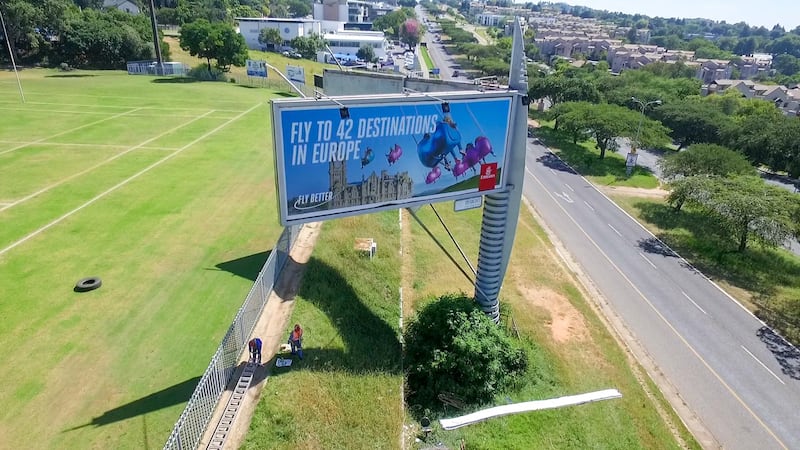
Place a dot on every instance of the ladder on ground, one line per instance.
(225, 425)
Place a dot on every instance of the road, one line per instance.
(739, 390)
(440, 58)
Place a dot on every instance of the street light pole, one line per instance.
(630, 161)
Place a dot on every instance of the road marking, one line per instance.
(563, 196)
(70, 131)
(615, 230)
(588, 205)
(553, 171)
(83, 172)
(648, 261)
(762, 364)
(569, 187)
(123, 183)
(694, 303)
(664, 319)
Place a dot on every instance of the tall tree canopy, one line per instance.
(217, 41)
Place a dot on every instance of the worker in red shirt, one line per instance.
(296, 340)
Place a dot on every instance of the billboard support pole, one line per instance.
(501, 212)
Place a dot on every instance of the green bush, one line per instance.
(201, 73)
(453, 347)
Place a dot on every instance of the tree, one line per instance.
(366, 53)
(788, 44)
(410, 32)
(308, 46)
(558, 88)
(691, 122)
(270, 37)
(104, 40)
(746, 208)
(299, 8)
(214, 41)
(705, 159)
(605, 123)
(390, 23)
(786, 64)
(452, 346)
(32, 25)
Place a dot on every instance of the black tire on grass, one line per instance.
(88, 284)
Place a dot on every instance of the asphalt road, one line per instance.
(742, 386)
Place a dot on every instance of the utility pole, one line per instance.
(11, 55)
(630, 161)
(156, 40)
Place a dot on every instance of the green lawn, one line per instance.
(346, 393)
(152, 186)
(427, 58)
(585, 158)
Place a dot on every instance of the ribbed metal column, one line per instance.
(501, 210)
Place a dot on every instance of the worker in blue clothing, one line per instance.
(255, 350)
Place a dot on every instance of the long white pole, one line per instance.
(11, 54)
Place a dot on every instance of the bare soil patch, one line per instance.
(566, 323)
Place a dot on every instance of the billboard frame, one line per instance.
(403, 100)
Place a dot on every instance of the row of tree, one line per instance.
(76, 33)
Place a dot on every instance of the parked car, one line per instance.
(296, 55)
(455, 73)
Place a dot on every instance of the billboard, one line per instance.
(296, 74)
(354, 155)
(256, 68)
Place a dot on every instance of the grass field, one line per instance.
(165, 190)
(154, 186)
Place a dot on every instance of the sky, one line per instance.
(754, 12)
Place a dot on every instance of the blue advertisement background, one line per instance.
(472, 118)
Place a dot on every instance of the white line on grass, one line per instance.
(165, 108)
(97, 113)
(112, 146)
(83, 172)
(70, 131)
(122, 183)
(111, 96)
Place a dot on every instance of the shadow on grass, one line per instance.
(178, 80)
(370, 344)
(70, 75)
(697, 237)
(246, 266)
(585, 161)
(172, 395)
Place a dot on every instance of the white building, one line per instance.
(250, 28)
(351, 11)
(347, 43)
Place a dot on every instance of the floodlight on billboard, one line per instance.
(256, 68)
(296, 74)
(355, 155)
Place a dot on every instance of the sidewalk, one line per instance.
(272, 329)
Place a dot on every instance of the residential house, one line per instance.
(123, 5)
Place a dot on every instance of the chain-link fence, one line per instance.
(194, 420)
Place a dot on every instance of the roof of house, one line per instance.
(116, 3)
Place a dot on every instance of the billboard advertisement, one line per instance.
(354, 155)
(296, 74)
(256, 68)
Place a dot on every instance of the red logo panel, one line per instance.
(488, 178)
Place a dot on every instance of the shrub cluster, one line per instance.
(453, 347)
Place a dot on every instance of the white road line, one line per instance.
(762, 364)
(569, 187)
(615, 230)
(694, 303)
(122, 183)
(70, 131)
(553, 171)
(661, 316)
(648, 261)
(106, 161)
(588, 205)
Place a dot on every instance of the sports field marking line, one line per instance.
(117, 107)
(762, 364)
(83, 172)
(122, 183)
(661, 316)
(96, 113)
(107, 96)
(69, 131)
(75, 144)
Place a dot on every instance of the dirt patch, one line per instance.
(633, 192)
(566, 323)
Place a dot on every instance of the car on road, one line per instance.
(455, 73)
